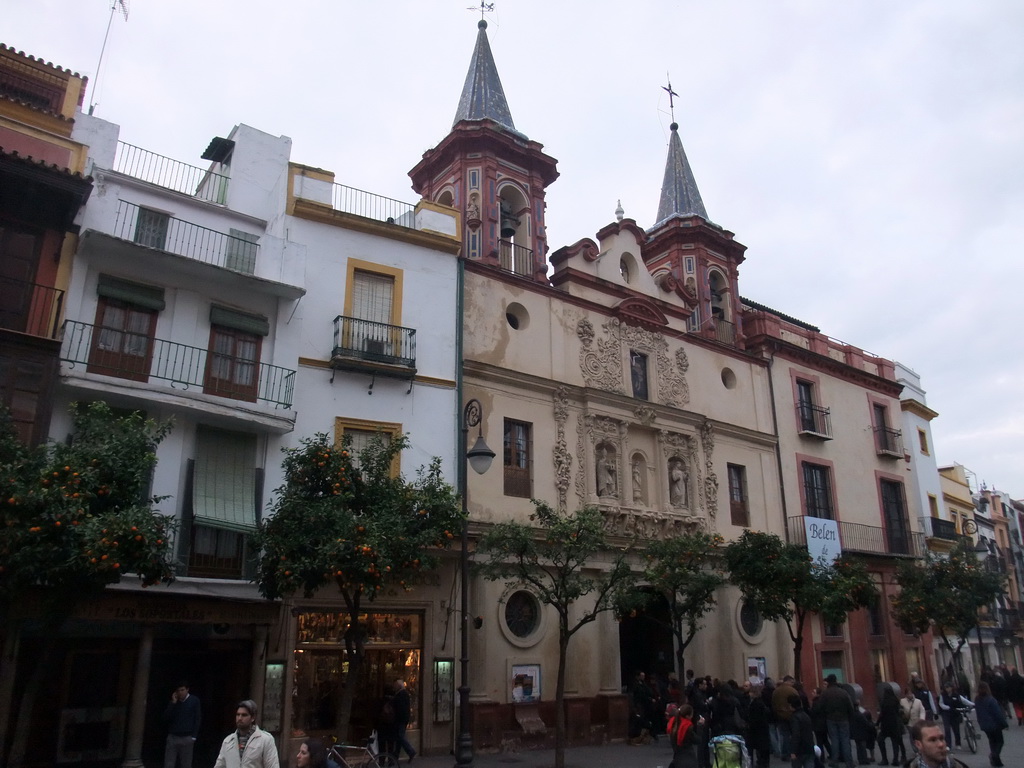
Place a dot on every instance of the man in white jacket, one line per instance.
(248, 746)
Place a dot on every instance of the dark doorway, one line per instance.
(218, 673)
(645, 641)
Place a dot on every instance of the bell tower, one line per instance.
(492, 173)
(703, 257)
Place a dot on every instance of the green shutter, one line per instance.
(146, 296)
(239, 321)
(224, 485)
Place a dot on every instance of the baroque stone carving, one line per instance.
(601, 367)
(581, 477)
(707, 440)
(645, 415)
(602, 360)
(646, 524)
(562, 457)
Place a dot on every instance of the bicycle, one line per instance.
(970, 732)
(359, 757)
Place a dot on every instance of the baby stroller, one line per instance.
(728, 751)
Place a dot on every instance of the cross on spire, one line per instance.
(484, 8)
(671, 95)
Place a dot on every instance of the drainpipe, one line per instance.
(778, 447)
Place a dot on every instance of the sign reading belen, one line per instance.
(822, 540)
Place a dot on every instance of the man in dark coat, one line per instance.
(402, 703)
(836, 706)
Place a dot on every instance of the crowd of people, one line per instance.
(827, 724)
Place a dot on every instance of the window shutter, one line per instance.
(147, 296)
(224, 488)
(239, 321)
(372, 297)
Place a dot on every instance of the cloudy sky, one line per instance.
(869, 153)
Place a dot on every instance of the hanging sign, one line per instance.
(822, 540)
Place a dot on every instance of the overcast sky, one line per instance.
(870, 154)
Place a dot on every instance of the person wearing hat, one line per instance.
(836, 706)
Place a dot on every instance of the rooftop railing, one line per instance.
(370, 206)
(171, 174)
(516, 259)
(144, 358)
(870, 539)
(158, 230)
(42, 90)
(30, 308)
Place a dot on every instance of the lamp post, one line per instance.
(479, 458)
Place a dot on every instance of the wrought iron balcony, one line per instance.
(944, 529)
(515, 258)
(1010, 618)
(814, 420)
(869, 539)
(365, 344)
(30, 308)
(138, 357)
(170, 174)
(889, 442)
(158, 230)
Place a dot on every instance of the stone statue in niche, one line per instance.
(678, 480)
(606, 481)
(473, 207)
(638, 482)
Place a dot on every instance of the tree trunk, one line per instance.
(798, 644)
(563, 647)
(355, 652)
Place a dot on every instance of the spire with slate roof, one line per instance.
(679, 193)
(482, 96)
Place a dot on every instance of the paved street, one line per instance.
(659, 755)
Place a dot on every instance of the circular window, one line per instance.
(728, 378)
(750, 620)
(516, 316)
(522, 614)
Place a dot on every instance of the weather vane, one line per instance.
(484, 8)
(671, 95)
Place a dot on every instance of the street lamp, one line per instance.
(479, 458)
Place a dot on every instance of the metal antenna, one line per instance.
(114, 5)
(484, 8)
(671, 95)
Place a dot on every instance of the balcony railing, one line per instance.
(944, 529)
(814, 420)
(370, 206)
(170, 174)
(356, 339)
(180, 364)
(889, 442)
(30, 308)
(157, 230)
(47, 95)
(515, 258)
(870, 539)
(723, 331)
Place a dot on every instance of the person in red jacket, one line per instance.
(682, 735)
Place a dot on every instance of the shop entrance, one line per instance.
(394, 645)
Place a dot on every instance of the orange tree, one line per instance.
(945, 593)
(354, 525)
(685, 570)
(567, 557)
(74, 517)
(784, 584)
